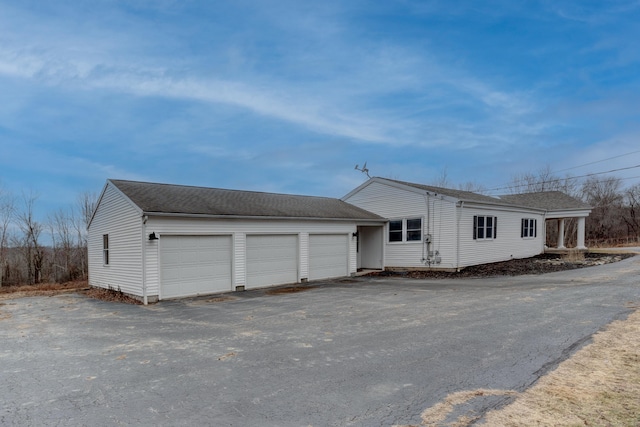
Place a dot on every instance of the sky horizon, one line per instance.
(288, 97)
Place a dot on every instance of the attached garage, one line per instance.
(328, 256)
(271, 260)
(171, 241)
(194, 265)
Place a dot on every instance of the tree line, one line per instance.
(24, 259)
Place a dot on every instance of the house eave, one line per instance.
(380, 221)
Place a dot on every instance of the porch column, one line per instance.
(561, 234)
(581, 233)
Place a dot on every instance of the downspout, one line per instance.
(458, 236)
(145, 300)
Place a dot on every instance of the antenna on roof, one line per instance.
(363, 169)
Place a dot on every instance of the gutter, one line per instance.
(288, 218)
(144, 219)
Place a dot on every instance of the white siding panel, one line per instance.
(117, 217)
(304, 255)
(439, 220)
(508, 243)
(271, 260)
(328, 256)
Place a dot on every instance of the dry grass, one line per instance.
(598, 386)
(573, 255)
(41, 289)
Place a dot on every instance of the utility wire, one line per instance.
(561, 179)
(598, 161)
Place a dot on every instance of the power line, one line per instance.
(561, 179)
(598, 161)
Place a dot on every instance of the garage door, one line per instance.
(328, 256)
(271, 260)
(192, 265)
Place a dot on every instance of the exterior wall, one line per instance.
(438, 219)
(507, 245)
(117, 217)
(239, 229)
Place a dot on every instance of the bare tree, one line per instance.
(604, 195)
(86, 203)
(543, 180)
(632, 212)
(7, 205)
(29, 242)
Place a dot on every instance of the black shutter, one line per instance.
(495, 227)
(475, 227)
(522, 226)
(535, 228)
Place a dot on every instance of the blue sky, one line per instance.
(288, 96)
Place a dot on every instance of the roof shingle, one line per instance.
(187, 200)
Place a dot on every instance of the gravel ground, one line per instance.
(541, 264)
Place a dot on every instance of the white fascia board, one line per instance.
(568, 213)
(380, 221)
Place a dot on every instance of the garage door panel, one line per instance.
(192, 265)
(328, 256)
(271, 260)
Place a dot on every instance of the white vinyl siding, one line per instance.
(195, 265)
(118, 218)
(507, 245)
(438, 219)
(271, 260)
(328, 256)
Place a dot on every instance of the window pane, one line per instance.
(480, 222)
(413, 236)
(480, 230)
(414, 224)
(395, 225)
(489, 221)
(395, 236)
(489, 233)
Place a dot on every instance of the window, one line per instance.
(529, 227)
(405, 230)
(105, 249)
(414, 229)
(485, 227)
(395, 231)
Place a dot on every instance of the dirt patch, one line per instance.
(541, 264)
(288, 290)
(111, 295)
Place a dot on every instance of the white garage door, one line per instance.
(271, 260)
(192, 265)
(328, 256)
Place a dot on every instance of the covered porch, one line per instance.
(574, 234)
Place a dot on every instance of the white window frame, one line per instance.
(529, 228)
(405, 231)
(480, 227)
(105, 249)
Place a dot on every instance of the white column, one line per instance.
(581, 233)
(561, 234)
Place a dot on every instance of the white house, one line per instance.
(158, 241)
(438, 228)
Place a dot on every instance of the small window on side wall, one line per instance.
(395, 231)
(105, 249)
(485, 227)
(529, 228)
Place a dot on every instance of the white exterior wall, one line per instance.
(508, 243)
(438, 219)
(121, 220)
(239, 229)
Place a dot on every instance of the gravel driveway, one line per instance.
(362, 352)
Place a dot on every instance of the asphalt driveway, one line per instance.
(366, 351)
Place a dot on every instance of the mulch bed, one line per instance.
(541, 264)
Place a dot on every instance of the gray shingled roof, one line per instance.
(548, 200)
(545, 200)
(180, 199)
(457, 194)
